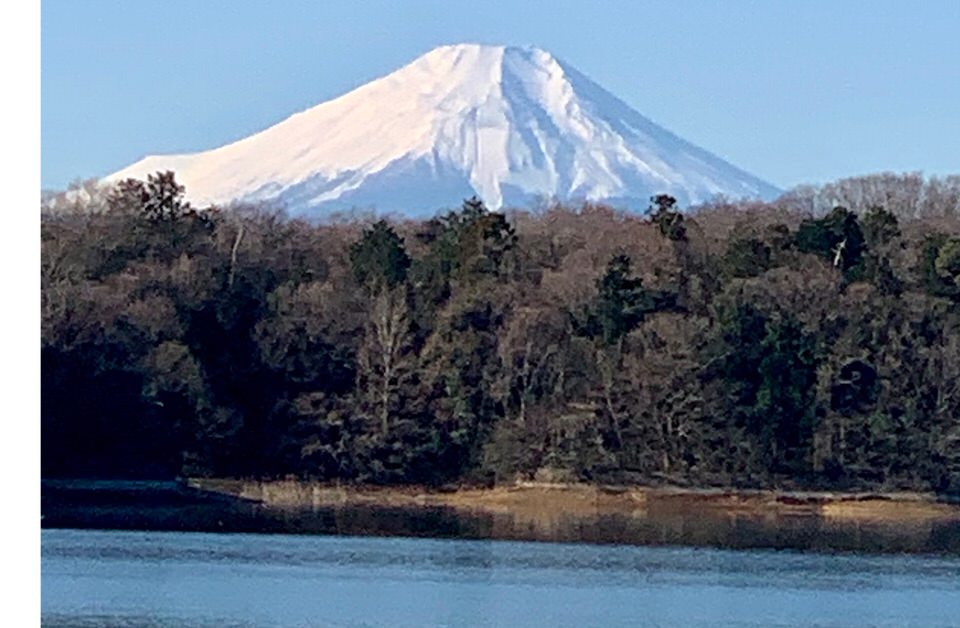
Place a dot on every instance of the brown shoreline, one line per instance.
(538, 501)
(880, 523)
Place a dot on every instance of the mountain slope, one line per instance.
(509, 124)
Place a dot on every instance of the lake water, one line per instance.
(159, 579)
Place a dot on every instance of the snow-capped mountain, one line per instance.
(508, 124)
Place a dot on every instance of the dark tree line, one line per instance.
(735, 345)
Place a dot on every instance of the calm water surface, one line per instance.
(122, 578)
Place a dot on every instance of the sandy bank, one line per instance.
(538, 500)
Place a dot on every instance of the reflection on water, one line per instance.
(127, 578)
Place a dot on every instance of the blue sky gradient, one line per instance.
(792, 92)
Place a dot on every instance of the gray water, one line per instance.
(119, 578)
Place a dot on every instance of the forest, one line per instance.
(809, 342)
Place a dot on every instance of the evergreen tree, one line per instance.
(378, 259)
(837, 238)
(746, 257)
(668, 220)
(621, 301)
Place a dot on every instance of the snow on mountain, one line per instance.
(509, 124)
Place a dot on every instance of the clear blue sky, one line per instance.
(793, 92)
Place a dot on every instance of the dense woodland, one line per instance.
(810, 342)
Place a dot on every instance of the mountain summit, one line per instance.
(508, 124)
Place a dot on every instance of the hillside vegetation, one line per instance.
(810, 342)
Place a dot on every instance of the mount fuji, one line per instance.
(512, 125)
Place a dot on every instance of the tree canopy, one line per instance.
(736, 345)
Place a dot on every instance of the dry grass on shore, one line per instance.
(890, 510)
(539, 500)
